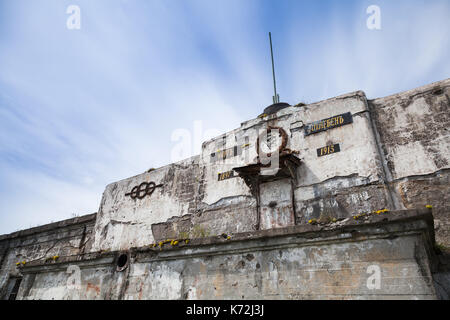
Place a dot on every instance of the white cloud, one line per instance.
(411, 49)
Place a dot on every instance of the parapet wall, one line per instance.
(387, 256)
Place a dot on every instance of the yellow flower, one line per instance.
(228, 238)
(23, 262)
(160, 243)
(429, 206)
(186, 241)
(18, 263)
(175, 242)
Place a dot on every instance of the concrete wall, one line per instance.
(64, 238)
(337, 261)
(194, 201)
(124, 222)
(413, 133)
(188, 204)
(345, 183)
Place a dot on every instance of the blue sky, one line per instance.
(82, 108)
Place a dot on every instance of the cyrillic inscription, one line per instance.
(329, 123)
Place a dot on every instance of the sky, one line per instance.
(82, 108)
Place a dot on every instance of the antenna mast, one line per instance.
(276, 97)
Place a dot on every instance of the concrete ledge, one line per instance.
(419, 90)
(50, 226)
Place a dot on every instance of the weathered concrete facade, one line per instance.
(413, 134)
(337, 159)
(64, 238)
